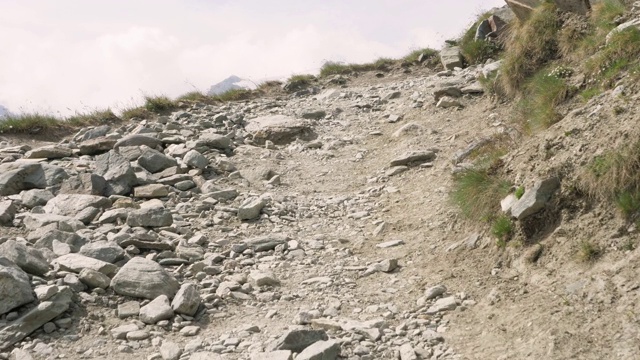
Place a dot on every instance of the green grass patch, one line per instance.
(589, 93)
(542, 94)
(337, 68)
(628, 202)
(477, 193)
(502, 228)
(621, 53)
(299, 82)
(605, 12)
(519, 192)
(530, 46)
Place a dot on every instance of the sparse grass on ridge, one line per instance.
(413, 56)
(37, 123)
(159, 104)
(476, 52)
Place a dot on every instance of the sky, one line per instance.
(73, 56)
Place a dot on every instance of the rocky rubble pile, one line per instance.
(170, 239)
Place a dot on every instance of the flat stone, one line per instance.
(151, 191)
(106, 251)
(321, 350)
(121, 332)
(88, 184)
(250, 208)
(35, 197)
(158, 309)
(138, 140)
(128, 309)
(48, 152)
(407, 352)
(69, 204)
(443, 304)
(279, 129)
(118, 173)
(7, 212)
(35, 318)
(94, 279)
(451, 57)
(150, 217)
(15, 177)
(413, 157)
(298, 340)
(96, 146)
(77, 262)
(388, 244)
(273, 355)
(435, 291)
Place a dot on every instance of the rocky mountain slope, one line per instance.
(319, 224)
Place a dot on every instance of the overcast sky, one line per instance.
(65, 56)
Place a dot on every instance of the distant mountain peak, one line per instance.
(233, 82)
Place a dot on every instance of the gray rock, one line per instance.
(195, 160)
(28, 259)
(70, 204)
(313, 114)
(443, 304)
(15, 177)
(77, 262)
(158, 309)
(54, 175)
(279, 129)
(121, 332)
(151, 191)
(170, 350)
(48, 152)
(35, 318)
(250, 208)
(298, 340)
(260, 278)
(534, 199)
(130, 308)
(267, 242)
(138, 140)
(118, 173)
(92, 133)
(407, 352)
(321, 350)
(154, 161)
(46, 238)
(447, 102)
(212, 141)
(150, 217)
(94, 279)
(15, 289)
(106, 251)
(35, 197)
(144, 278)
(96, 146)
(87, 184)
(435, 291)
(451, 57)
(7, 212)
(413, 157)
(447, 91)
(273, 355)
(187, 300)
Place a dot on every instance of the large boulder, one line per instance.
(103, 250)
(279, 129)
(211, 141)
(7, 212)
(15, 289)
(28, 259)
(144, 278)
(71, 204)
(118, 173)
(15, 177)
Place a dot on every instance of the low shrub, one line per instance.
(542, 94)
(159, 104)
